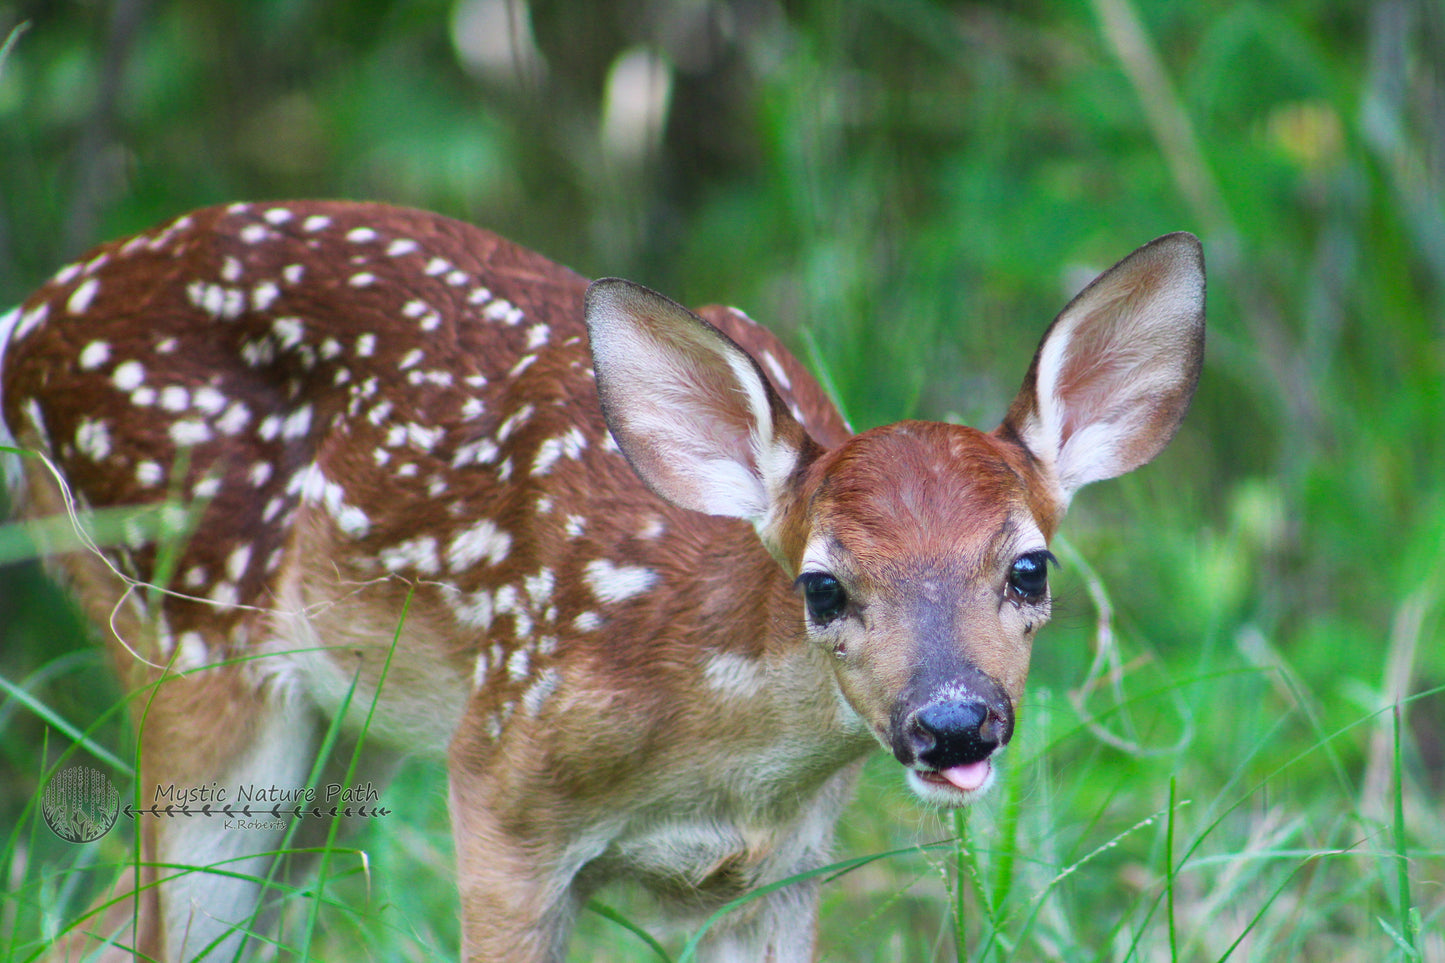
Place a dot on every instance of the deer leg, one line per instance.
(518, 899)
(776, 928)
(212, 870)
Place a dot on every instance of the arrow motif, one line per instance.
(231, 812)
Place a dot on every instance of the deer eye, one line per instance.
(1028, 578)
(823, 595)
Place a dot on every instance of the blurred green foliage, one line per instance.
(908, 190)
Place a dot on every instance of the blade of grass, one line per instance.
(1169, 873)
(54, 719)
(613, 916)
(841, 868)
(960, 912)
(1402, 853)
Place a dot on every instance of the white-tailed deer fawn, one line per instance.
(657, 614)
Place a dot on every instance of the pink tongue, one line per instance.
(969, 777)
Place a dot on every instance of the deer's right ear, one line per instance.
(690, 410)
(1115, 372)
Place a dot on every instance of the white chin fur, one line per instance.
(948, 796)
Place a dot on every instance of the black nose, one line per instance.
(948, 734)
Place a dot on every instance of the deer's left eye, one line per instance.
(1028, 578)
(823, 595)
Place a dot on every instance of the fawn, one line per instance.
(625, 565)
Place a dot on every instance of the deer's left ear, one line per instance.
(1114, 374)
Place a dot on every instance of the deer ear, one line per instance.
(690, 410)
(1114, 374)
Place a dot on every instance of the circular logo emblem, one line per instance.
(80, 804)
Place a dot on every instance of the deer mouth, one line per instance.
(952, 787)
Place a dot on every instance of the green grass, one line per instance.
(1241, 757)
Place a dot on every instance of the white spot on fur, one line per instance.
(128, 375)
(234, 421)
(417, 553)
(442, 379)
(190, 432)
(238, 562)
(192, 652)
(361, 235)
(519, 665)
(479, 452)
(264, 295)
(175, 398)
(82, 296)
(776, 370)
(94, 355)
(569, 445)
(734, 675)
(208, 399)
(499, 310)
(482, 540)
(288, 332)
(615, 583)
(313, 486)
(537, 693)
(29, 321)
(379, 412)
(92, 439)
(298, 423)
(424, 438)
(539, 587)
(513, 422)
(472, 608)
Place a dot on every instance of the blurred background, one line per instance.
(1234, 745)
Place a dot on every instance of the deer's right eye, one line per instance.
(823, 595)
